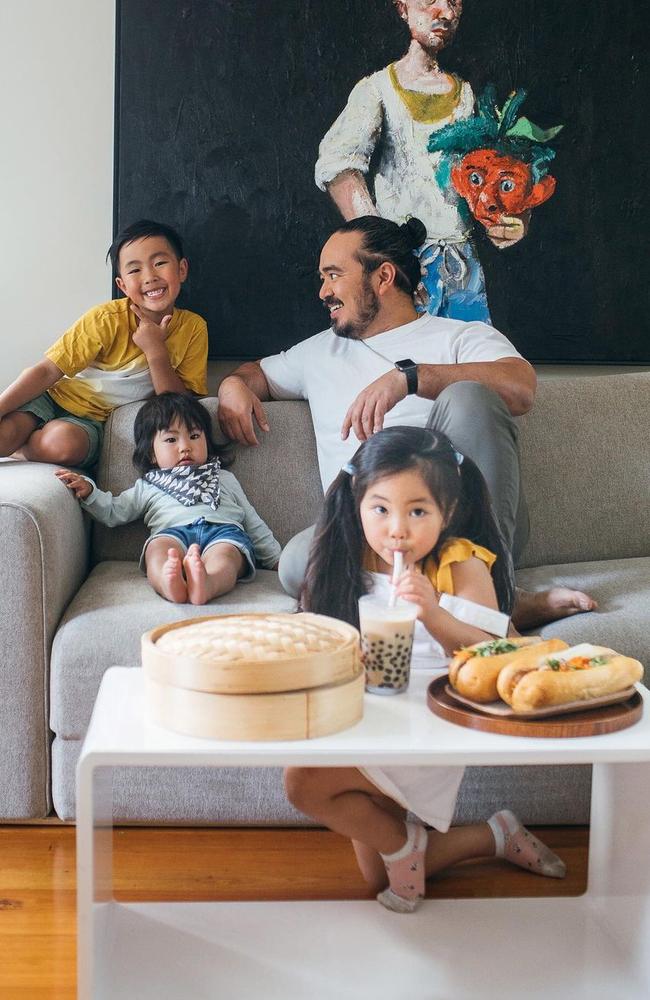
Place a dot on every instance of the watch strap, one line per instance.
(410, 369)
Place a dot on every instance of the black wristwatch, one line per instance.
(410, 369)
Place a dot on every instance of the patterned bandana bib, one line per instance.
(189, 484)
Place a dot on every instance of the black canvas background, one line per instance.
(221, 105)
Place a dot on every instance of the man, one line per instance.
(380, 364)
(389, 119)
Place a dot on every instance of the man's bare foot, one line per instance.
(173, 584)
(533, 609)
(197, 578)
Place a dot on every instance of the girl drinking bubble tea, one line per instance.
(407, 490)
(205, 533)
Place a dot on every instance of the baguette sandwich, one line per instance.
(580, 673)
(473, 671)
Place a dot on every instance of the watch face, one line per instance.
(405, 363)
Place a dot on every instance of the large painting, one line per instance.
(516, 132)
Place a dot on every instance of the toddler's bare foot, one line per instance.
(534, 609)
(173, 584)
(197, 578)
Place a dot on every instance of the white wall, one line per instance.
(56, 169)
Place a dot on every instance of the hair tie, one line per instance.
(349, 468)
(459, 458)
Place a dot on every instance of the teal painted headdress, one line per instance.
(498, 129)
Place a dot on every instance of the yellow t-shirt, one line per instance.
(103, 368)
(454, 550)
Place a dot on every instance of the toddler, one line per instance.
(205, 535)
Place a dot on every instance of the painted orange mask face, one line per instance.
(495, 185)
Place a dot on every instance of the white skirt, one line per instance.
(428, 792)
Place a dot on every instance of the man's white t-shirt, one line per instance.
(331, 371)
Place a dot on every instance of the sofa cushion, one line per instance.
(622, 589)
(279, 476)
(103, 625)
(254, 796)
(586, 475)
(225, 796)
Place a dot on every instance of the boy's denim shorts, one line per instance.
(45, 409)
(206, 533)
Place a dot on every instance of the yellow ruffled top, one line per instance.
(455, 550)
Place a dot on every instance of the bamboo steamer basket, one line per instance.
(284, 715)
(198, 653)
(282, 677)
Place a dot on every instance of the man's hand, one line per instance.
(512, 229)
(149, 336)
(75, 483)
(237, 406)
(366, 414)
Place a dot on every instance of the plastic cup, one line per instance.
(386, 643)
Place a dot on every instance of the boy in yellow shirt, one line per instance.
(119, 352)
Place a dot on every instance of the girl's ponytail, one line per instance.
(474, 518)
(334, 580)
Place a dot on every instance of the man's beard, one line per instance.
(367, 309)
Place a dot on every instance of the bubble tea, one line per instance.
(386, 643)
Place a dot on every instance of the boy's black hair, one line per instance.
(384, 240)
(335, 578)
(158, 413)
(140, 230)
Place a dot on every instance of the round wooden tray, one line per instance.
(591, 722)
(224, 675)
(287, 715)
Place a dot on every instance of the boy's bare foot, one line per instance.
(533, 609)
(172, 582)
(197, 578)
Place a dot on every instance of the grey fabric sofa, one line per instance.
(74, 603)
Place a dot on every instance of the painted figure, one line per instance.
(498, 163)
(389, 117)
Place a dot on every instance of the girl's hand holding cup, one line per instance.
(415, 587)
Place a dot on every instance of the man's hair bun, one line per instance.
(415, 231)
(383, 239)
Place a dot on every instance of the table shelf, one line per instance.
(450, 950)
(593, 946)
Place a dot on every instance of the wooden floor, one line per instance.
(37, 887)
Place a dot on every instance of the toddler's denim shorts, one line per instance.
(206, 533)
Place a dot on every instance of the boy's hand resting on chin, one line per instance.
(149, 335)
(75, 483)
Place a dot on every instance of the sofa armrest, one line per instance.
(43, 560)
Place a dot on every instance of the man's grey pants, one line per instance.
(479, 425)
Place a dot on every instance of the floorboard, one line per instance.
(37, 887)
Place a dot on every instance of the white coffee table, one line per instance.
(596, 946)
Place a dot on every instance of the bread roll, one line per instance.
(474, 670)
(579, 674)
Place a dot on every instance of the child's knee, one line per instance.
(15, 430)
(299, 787)
(58, 441)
